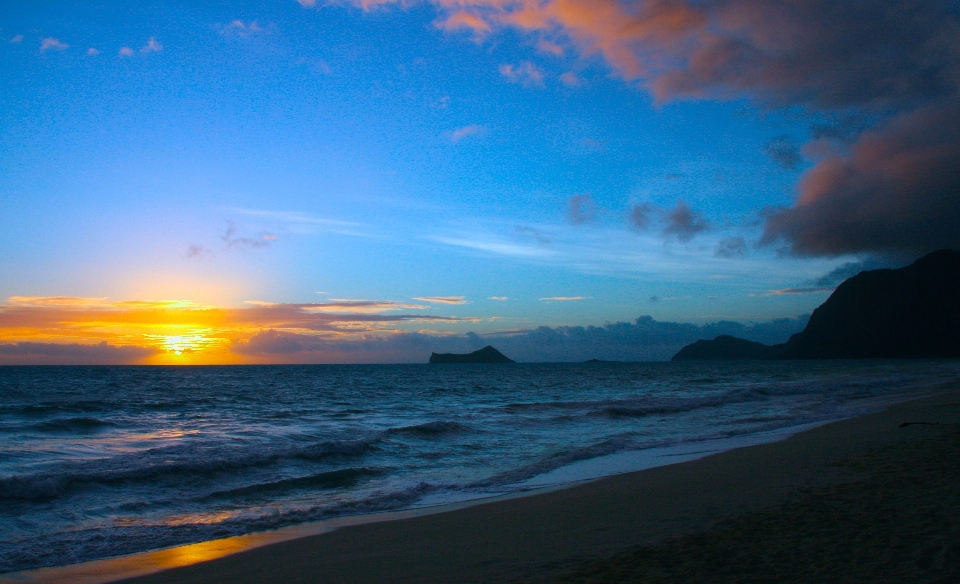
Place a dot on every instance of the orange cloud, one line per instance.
(96, 330)
(442, 299)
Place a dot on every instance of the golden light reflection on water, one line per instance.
(200, 518)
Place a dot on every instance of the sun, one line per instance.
(186, 343)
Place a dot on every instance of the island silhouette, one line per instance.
(485, 355)
(910, 312)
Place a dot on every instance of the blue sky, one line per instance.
(222, 153)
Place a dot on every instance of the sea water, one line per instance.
(104, 461)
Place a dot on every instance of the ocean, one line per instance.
(97, 462)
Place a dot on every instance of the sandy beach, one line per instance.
(848, 501)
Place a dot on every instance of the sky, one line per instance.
(292, 181)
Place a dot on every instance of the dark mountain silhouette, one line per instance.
(485, 355)
(903, 313)
(726, 347)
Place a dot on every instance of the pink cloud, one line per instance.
(442, 299)
(571, 79)
(550, 48)
(466, 131)
(896, 190)
(152, 46)
(53, 44)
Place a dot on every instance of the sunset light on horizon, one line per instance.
(447, 291)
(370, 181)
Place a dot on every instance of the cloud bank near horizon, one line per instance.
(94, 331)
(645, 339)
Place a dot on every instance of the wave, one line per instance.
(47, 409)
(74, 546)
(71, 425)
(205, 460)
(555, 461)
(346, 477)
(431, 429)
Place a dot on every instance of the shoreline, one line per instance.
(484, 516)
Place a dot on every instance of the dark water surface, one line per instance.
(105, 461)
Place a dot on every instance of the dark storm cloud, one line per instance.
(898, 190)
(822, 53)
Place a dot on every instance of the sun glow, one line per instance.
(83, 330)
(186, 343)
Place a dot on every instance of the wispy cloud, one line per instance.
(525, 230)
(58, 301)
(526, 74)
(17, 39)
(52, 44)
(301, 222)
(242, 29)
(93, 52)
(231, 239)
(731, 247)
(795, 291)
(494, 245)
(466, 131)
(442, 299)
(126, 52)
(196, 251)
(499, 298)
(565, 298)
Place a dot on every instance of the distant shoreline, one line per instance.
(595, 511)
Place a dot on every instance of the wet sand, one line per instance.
(761, 510)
